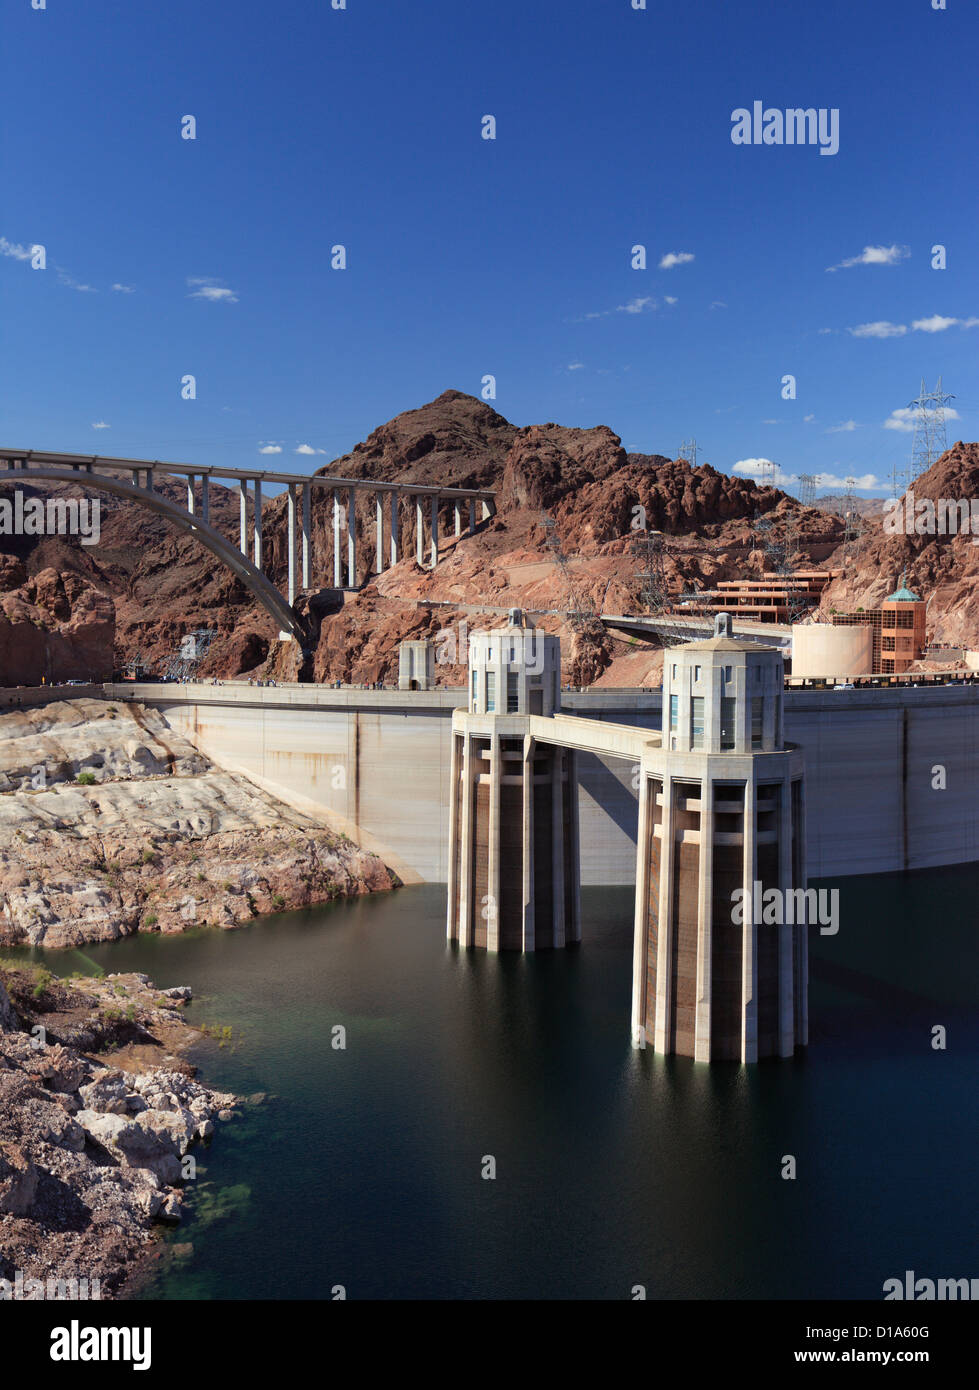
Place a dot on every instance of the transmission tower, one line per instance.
(581, 611)
(768, 474)
(782, 552)
(929, 441)
(852, 526)
(807, 488)
(688, 451)
(655, 597)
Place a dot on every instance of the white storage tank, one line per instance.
(822, 649)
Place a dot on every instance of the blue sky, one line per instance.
(469, 257)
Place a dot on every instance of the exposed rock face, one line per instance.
(159, 840)
(90, 1154)
(53, 626)
(162, 584)
(942, 569)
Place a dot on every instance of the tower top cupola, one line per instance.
(514, 669)
(722, 695)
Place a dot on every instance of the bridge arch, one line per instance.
(250, 575)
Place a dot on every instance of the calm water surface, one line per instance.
(614, 1166)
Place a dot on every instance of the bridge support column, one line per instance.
(306, 530)
(337, 559)
(206, 499)
(149, 484)
(191, 480)
(379, 526)
(488, 510)
(472, 516)
(419, 529)
(351, 538)
(243, 516)
(457, 516)
(435, 531)
(258, 523)
(395, 539)
(291, 542)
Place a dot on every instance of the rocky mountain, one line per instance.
(160, 584)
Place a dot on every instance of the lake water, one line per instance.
(614, 1167)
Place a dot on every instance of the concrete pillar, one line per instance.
(190, 493)
(352, 537)
(786, 932)
(395, 539)
(435, 530)
(454, 844)
(306, 532)
(749, 937)
(466, 923)
(663, 1030)
(243, 516)
(557, 844)
(337, 568)
(705, 922)
(472, 516)
(640, 935)
(802, 934)
(379, 524)
(291, 541)
(575, 904)
(419, 530)
(457, 514)
(487, 510)
(150, 487)
(205, 498)
(257, 523)
(527, 887)
(493, 876)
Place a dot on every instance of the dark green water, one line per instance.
(614, 1167)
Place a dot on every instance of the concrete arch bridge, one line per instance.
(246, 560)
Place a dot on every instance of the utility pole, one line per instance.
(929, 442)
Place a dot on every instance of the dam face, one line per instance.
(892, 775)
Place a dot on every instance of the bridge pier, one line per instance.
(243, 516)
(419, 529)
(395, 540)
(257, 522)
(379, 527)
(435, 530)
(291, 542)
(206, 499)
(307, 582)
(351, 539)
(337, 564)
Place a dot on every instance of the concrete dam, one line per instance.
(892, 774)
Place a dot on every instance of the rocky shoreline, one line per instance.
(112, 823)
(100, 1117)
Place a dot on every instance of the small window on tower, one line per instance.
(697, 722)
(696, 673)
(512, 697)
(674, 713)
(490, 692)
(727, 722)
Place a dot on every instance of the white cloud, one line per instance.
(635, 306)
(208, 289)
(670, 299)
(808, 419)
(14, 250)
(880, 329)
(270, 449)
(100, 425)
(756, 468)
(904, 418)
(847, 427)
(308, 449)
(65, 279)
(123, 289)
(938, 324)
(673, 258)
(575, 366)
(875, 255)
(864, 483)
(718, 304)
